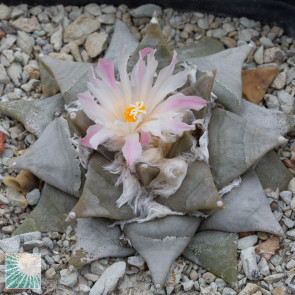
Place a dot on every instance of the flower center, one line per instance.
(133, 111)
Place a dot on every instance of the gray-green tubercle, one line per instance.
(237, 140)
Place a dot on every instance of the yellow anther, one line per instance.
(133, 111)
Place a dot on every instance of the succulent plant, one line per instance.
(218, 195)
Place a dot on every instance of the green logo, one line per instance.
(23, 271)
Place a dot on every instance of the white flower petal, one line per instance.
(94, 111)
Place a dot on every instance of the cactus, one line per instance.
(186, 213)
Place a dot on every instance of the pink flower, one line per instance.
(135, 108)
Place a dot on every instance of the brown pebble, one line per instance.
(228, 42)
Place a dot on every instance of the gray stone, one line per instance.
(146, 10)
(7, 57)
(74, 14)
(288, 222)
(2, 212)
(219, 33)
(47, 242)
(228, 27)
(174, 276)
(50, 273)
(8, 229)
(228, 291)
(286, 100)
(286, 196)
(266, 42)
(31, 85)
(30, 236)
(263, 267)
(29, 245)
(244, 35)
(272, 101)
(7, 42)
(14, 71)
(4, 79)
(109, 9)
(250, 266)
(276, 260)
(248, 23)
(33, 197)
(56, 38)
(247, 242)
(137, 261)
(93, 9)
(290, 75)
(109, 279)
(187, 286)
(10, 245)
(91, 277)
(207, 290)
(5, 12)
(203, 23)
(28, 25)
(95, 43)
(67, 278)
(280, 81)
(107, 19)
(274, 54)
(274, 278)
(97, 268)
(25, 42)
(290, 264)
(258, 56)
(17, 11)
(3, 200)
(80, 29)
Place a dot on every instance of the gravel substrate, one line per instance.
(53, 31)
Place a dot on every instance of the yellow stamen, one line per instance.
(133, 111)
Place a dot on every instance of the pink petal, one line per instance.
(178, 127)
(90, 133)
(145, 138)
(93, 110)
(105, 70)
(144, 52)
(180, 102)
(138, 73)
(105, 95)
(100, 137)
(166, 83)
(148, 79)
(132, 148)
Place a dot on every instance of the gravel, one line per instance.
(71, 33)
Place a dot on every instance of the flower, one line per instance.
(135, 108)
